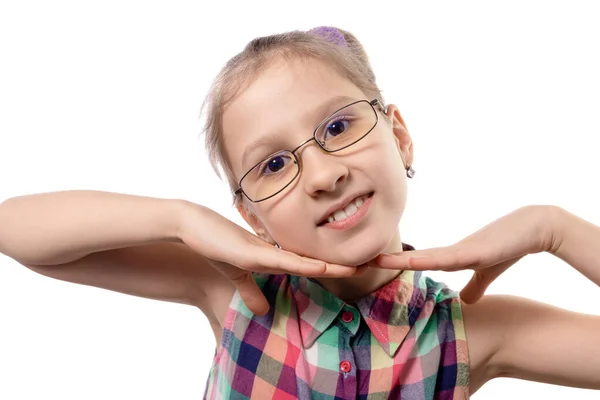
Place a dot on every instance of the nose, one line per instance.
(321, 171)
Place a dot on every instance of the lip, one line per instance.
(341, 205)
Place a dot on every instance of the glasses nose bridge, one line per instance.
(305, 143)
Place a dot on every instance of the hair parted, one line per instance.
(349, 59)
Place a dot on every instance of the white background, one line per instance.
(501, 100)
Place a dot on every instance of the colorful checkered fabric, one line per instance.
(404, 341)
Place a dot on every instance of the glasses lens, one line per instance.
(270, 176)
(342, 129)
(347, 126)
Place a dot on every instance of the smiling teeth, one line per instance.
(348, 211)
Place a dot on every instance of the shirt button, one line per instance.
(345, 366)
(347, 316)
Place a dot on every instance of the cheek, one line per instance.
(286, 220)
(292, 229)
(391, 174)
(388, 159)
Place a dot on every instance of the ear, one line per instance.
(252, 220)
(403, 139)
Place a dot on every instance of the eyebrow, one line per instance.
(326, 108)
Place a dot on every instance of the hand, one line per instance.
(236, 253)
(489, 251)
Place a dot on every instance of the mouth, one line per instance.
(349, 214)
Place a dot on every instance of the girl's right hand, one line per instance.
(236, 253)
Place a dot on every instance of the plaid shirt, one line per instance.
(403, 341)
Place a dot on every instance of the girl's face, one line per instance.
(279, 111)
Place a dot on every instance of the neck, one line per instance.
(352, 289)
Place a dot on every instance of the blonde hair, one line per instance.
(338, 48)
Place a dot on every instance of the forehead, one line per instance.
(284, 103)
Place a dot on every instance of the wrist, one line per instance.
(179, 213)
(545, 223)
(555, 224)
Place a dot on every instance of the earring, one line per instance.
(277, 245)
(410, 172)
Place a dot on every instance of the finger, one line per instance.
(280, 261)
(406, 259)
(342, 271)
(442, 258)
(251, 294)
(331, 271)
(391, 261)
(361, 269)
(457, 269)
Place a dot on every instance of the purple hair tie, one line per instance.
(330, 34)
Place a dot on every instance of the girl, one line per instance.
(380, 329)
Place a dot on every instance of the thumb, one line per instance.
(475, 289)
(482, 279)
(251, 294)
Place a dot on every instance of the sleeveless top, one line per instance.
(406, 340)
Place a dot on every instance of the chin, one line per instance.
(355, 254)
(354, 249)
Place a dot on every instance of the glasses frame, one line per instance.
(373, 103)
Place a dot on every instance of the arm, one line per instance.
(129, 244)
(577, 243)
(514, 337)
(525, 339)
(163, 249)
(546, 343)
(60, 227)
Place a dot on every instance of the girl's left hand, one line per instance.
(489, 251)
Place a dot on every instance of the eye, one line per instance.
(336, 127)
(274, 165)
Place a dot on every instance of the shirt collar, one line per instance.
(389, 312)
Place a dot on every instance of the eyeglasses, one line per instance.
(342, 129)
